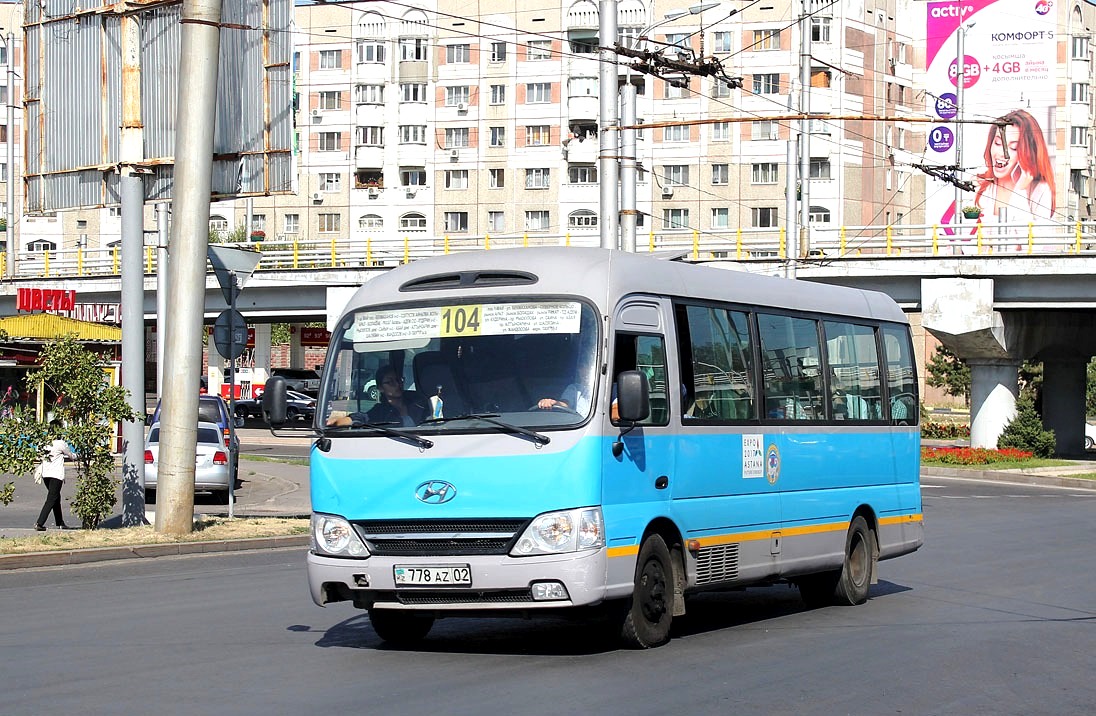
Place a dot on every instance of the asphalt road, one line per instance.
(995, 615)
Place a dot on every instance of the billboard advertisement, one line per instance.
(1007, 82)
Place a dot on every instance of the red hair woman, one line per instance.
(1017, 186)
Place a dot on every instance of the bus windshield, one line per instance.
(434, 368)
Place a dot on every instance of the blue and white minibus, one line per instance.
(564, 428)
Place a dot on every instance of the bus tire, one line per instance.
(856, 573)
(650, 609)
(396, 627)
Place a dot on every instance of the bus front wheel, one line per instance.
(397, 627)
(651, 608)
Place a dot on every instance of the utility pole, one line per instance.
(804, 132)
(198, 51)
(9, 212)
(960, 82)
(162, 259)
(608, 141)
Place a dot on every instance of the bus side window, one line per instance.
(901, 376)
(647, 354)
(791, 364)
(854, 371)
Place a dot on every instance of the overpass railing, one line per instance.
(837, 243)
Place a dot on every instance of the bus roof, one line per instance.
(607, 275)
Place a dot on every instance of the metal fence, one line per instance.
(847, 242)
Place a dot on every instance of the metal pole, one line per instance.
(804, 133)
(9, 214)
(628, 174)
(608, 140)
(133, 347)
(232, 393)
(162, 258)
(791, 220)
(960, 80)
(187, 273)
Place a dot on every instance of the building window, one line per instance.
(498, 52)
(819, 215)
(582, 174)
(458, 54)
(413, 49)
(330, 60)
(721, 88)
(679, 40)
(582, 219)
(675, 218)
(496, 178)
(412, 134)
(768, 83)
(820, 169)
(456, 95)
(329, 142)
(370, 221)
(371, 51)
(456, 221)
(456, 178)
(456, 137)
(498, 94)
(413, 176)
(538, 92)
(721, 131)
(538, 50)
(1078, 136)
(218, 223)
(675, 133)
(763, 217)
(413, 222)
(721, 174)
(766, 40)
(538, 178)
(722, 41)
(764, 129)
(538, 135)
(820, 29)
(498, 136)
(721, 218)
(412, 92)
(291, 223)
(41, 245)
(330, 181)
(763, 173)
(370, 136)
(676, 89)
(369, 94)
(496, 221)
(537, 220)
(330, 223)
(1078, 92)
(1079, 47)
(330, 99)
(675, 175)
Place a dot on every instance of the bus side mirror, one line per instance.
(274, 401)
(633, 396)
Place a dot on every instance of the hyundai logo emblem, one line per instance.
(435, 492)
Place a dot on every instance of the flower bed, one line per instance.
(971, 456)
(944, 431)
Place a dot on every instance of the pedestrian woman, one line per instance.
(53, 475)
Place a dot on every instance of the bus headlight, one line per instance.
(563, 531)
(334, 536)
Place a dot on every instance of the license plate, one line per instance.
(456, 575)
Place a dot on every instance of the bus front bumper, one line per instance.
(498, 582)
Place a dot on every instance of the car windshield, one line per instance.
(528, 364)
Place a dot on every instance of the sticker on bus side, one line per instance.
(753, 456)
(487, 319)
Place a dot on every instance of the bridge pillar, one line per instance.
(993, 390)
(262, 352)
(1064, 403)
(296, 350)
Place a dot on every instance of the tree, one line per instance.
(87, 406)
(1090, 389)
(1026, 432)
(946, 370)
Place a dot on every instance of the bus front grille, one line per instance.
(717, 564)
(509, 596)
(429, 538)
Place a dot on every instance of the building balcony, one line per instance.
(582, 150)
(367, 157)
(582, 108)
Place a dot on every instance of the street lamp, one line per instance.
(628, 172)
(9, 210)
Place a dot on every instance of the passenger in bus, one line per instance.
(396, 405)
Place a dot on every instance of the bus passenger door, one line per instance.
(637, 482)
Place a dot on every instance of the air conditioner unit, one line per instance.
(374, 192)
(411, 191)
(315, 113)
(454, 154)
(667, 192)
(462, 107)
(317, 197)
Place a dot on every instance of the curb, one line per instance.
(63, 558)
(1014, 478)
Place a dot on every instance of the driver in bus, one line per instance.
(403, 407)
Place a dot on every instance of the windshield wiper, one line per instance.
(370, 428)
(536, 437)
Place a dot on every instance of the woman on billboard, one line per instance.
(1017, 186)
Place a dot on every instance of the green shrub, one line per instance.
(1026, 432)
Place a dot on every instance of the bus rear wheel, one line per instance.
(849, 585)
(650, 610)
(396, 627)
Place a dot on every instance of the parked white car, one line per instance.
(210, 462)
(1090, 436)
